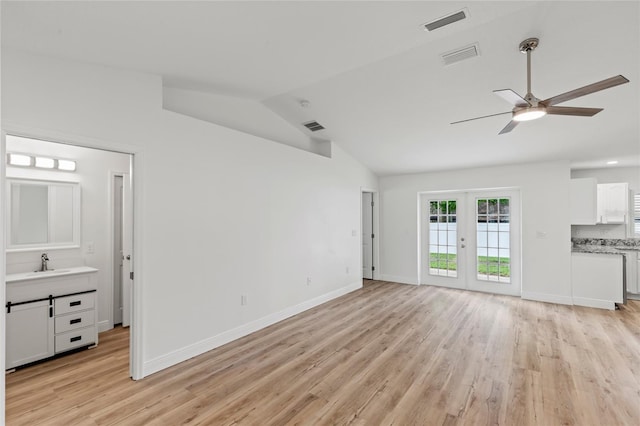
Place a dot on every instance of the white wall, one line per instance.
(94, 168)
(606, 175)
(544, 191)
(219, 213)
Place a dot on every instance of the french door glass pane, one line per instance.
(493, 257)
(443, 259)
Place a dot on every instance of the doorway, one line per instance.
(368, 236)
(471, 240)
(95, 171)
(122, 242)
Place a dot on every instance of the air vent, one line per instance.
(314, 126)
(461, 54)
(446, 20)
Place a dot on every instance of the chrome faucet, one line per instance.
(44, 258)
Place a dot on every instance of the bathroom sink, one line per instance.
(49, 272)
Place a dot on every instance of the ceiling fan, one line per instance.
(531, 108)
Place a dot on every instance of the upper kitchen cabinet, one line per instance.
(583, 201)
(613, 203)
(592, 203)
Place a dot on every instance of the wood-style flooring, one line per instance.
(388, 354)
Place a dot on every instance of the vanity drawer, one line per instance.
(74, 321)
(75, 339)
(79, 302)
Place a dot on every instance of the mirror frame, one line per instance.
(76, 211)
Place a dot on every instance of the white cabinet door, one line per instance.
(613, 203)
(583, 201)
(29, 333)
(597, 280)
(631, 271)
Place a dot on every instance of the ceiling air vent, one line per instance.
(314, 126)
(461, 54)
(446, 20)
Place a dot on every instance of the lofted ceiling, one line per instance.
(371, 75)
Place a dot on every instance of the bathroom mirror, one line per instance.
(42, 215)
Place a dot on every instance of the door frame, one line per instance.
(136, 350)
(376, 231)
(423, 235)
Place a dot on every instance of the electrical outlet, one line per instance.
(308, 280)
(243, 299)
(347, 270)
(90, 248)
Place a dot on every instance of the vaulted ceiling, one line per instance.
(369, 72)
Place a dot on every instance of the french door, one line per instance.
(471, 240)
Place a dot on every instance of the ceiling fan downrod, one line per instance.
(528, 46)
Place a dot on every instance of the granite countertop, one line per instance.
(605, 246)
(592, 248)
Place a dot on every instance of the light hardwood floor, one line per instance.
(387, 354)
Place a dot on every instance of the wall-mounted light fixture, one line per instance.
(24, 160)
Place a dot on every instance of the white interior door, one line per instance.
(118, 252)
(470, 240)
(127, 246)
(367, 235)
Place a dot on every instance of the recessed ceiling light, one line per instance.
(612, 162)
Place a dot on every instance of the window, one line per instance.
(443, 259)
(493, 235)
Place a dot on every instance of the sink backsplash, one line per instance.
(616, 242)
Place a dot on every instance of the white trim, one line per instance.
(594, 303)
(399, 279)
(3, 267)
(104, 325)
(190, 351)
(545, 297)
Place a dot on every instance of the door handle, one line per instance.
(462, 246)
(128, 257)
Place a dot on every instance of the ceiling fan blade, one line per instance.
(591, 88)
(582, 112)
(484, 116)
(509, 127)
(512, 97)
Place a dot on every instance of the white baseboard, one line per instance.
(399, 279)
(550, 298)
(104, 326)
(594, 303)
(183, 354)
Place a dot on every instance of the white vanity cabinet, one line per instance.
(29, 333)
(48, 313)
(75, 321)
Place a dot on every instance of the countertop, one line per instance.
(53, 273)
(593, 248)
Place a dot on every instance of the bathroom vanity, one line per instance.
(49, 312)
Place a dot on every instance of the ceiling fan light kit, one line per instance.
(528, 114)
(531, 108)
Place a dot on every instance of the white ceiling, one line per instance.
(373, 78)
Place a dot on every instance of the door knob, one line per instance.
(128, 257)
